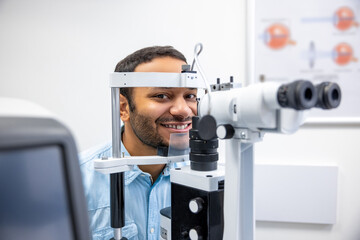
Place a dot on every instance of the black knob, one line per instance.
(195, 234)
(207, 127)
(225, 131)
(196, 205)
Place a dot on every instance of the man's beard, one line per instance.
(144, 130)
(146, 133)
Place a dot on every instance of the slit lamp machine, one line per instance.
(209, 200)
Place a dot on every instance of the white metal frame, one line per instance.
(115, 165)
(155, 79)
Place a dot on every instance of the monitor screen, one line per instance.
(34, 202)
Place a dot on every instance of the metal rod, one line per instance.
(117, 233)
(116, 179)
(116, 122)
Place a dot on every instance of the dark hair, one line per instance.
(144, 55)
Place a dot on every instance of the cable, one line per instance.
(196, 61)
(196, 53)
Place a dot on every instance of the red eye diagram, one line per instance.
(344, 19)
(343, 54)
(277, 36)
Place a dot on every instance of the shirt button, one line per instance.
(152, 230)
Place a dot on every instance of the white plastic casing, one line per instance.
(254, 107)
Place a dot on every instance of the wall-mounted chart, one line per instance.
(314, 40)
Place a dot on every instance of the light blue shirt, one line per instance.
(143, 199)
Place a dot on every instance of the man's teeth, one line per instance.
(177, 126)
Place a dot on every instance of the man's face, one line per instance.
(161, 111)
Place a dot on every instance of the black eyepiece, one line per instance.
(299, 95)
(328, 95)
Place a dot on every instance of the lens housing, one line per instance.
(203, 153)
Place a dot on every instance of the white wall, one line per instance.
(318, 145)
(59, 54)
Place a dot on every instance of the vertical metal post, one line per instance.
(239, 191)
(116, 179)
(239, 165)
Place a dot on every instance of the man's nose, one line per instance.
(180, 108)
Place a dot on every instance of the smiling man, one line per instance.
(150, 115)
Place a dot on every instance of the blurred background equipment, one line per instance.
(41, 193)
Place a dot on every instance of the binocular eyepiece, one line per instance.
(302, 94)
(329, 95)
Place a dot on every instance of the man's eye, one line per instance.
(161, 96)
(191, 96)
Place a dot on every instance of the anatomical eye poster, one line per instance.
(316, 40)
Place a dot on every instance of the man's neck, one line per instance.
(137, 148)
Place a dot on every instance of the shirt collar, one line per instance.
(131, 175)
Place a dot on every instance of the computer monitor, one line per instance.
(41, 193)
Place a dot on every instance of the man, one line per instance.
(149, 115)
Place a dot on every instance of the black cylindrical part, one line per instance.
(117, 200)
(299, 95)
(207, 127)
(328, 95)
(203, 153)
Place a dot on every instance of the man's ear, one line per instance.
(124, 109)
